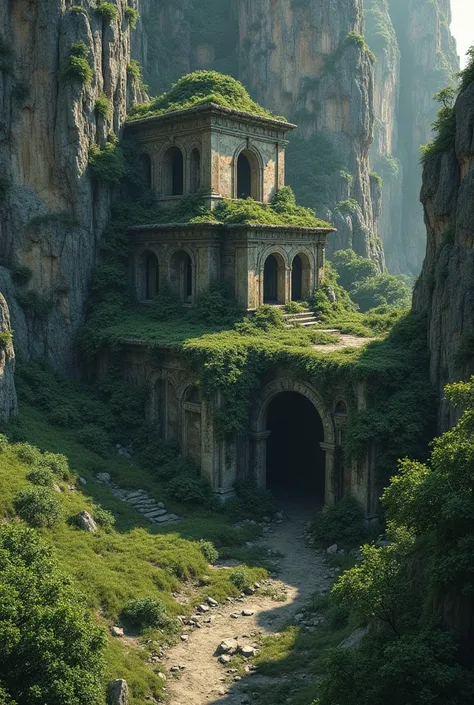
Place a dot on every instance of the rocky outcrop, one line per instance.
(445, 290)
(416, 57)
(8, 402)
(52, 214)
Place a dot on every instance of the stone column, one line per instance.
(329, 450)
(259, 456)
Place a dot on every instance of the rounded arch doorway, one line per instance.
(295, 461)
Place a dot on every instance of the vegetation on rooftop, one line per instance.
(199, 88)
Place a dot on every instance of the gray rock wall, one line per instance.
(8, 401)
(51, 213)
(445, 289)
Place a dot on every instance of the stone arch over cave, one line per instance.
(194, 170)
(182, 275)
(248, 170)
(300, 277)
(173, 172)
(294, 441)
(274, 273)
(146, 169)
(148, 279)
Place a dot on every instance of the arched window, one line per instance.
(274, 280)
(341, 409)
(173, 172)
(192, 395)
(300, 278)
(195, 171)
(145, 165)
(247, 176)
(148, 276)
(182, 276)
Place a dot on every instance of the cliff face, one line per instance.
(445, 290)
(51, 213)
(304, 59)
(416, 57)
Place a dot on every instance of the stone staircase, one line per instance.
(305, 319)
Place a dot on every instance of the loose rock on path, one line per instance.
(203, 658)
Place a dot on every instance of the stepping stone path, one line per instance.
(153, 511)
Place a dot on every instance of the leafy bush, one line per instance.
(41, 475)
(107, 163)
(28, 453)
(77, 66)
(199, 88)
(217, 306)
(251, 502)
(381, 290)
(352, 268)
(51, 650)
(191, 489)
(65, 415)
(104, 518)
(241, 578)
(145, 612)
(132, 16)
(267, 316)
(208, 550)
(103, 107)
(95, 439)
(57, 463)
(107, 10)
(166, 304)
(135, 70)
(38, 506)
(340, 522)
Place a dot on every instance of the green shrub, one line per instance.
(41, 475)
(294, 307)
(241, 578)
(217, 306)
(28, 453)
(51, 650)
(38, 506)
(251, 502)
(340, 522)
(103, 107)
(191, 489)
(107, 163)
(135, 70)
(266, 317)
(145, 612)
(103, 518)
(65, 415)
(166, 304)
(173, 466)
(381, 290)
(95, 439)
(352, 268)
(78, 10)
(21, 275)
(209, 551)
(77, 66)
(107, 10)
(444, 127)
(57, 463)
(132, 16)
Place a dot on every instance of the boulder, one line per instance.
(354, 639)
(85, 522)
(247, 651)
(212, 602)
(228, 646)
(116, 631)
(103, 477)
(332, 550)
(117, 692)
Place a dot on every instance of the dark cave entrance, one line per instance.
(244, 177)
(295, 460)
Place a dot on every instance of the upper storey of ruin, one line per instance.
(222, 152)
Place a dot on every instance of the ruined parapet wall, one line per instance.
(445, 289)
(51, 213)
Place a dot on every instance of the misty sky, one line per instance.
(463, 25)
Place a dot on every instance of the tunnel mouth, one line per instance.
(295, 461)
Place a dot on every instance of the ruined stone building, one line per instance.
(295, 433)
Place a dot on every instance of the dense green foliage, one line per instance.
(107, 10)
(145, 612)
(77, 66)
(132, 16)
(406, 589)
(103, 107)
(107, 163)
(342, 522)
(50, 651)
(199, 88)
(38, 506)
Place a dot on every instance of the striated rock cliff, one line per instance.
(51, 212)
(416, 57)
(305, 59)
(445, 289)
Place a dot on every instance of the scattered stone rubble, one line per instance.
(153, 511)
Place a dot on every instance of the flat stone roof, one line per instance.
(212, 108)
(227, 226)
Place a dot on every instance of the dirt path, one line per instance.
(302, 572)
